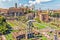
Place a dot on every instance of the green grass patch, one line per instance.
(10, 23)
(44, 38)
(39, 25)
(9, 37)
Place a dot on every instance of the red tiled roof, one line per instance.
(3, 10)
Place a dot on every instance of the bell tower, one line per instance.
(15, 5)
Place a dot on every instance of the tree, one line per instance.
(3, 25)
(50, 14)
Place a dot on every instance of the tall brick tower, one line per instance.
(15, 5)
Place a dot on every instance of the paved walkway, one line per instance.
(3, 37)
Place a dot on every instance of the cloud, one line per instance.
(5, 0)
(44, 0)
(8, 3)
(20, 4)
(27, 5)
(9, 0)
(38, 1)
(32, 2)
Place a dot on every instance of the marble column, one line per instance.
(15, 15)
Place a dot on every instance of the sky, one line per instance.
(42, 4)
